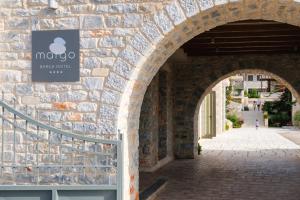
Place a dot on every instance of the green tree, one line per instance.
(280, 112)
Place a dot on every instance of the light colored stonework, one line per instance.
(122, 47)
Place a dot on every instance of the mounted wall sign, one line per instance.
(55, 56)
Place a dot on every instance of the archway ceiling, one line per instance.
(246, 37)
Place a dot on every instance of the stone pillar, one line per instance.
(148, 128)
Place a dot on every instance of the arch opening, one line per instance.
(132, 102)
(216, 101)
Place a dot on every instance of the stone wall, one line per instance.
(149, 126)
(123, 45)
(163, 114)
(155, 128)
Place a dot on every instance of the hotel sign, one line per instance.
(55, 56)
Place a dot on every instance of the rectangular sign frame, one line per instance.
(56, 56)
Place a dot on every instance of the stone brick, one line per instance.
(85, 127)
(7, 87)
(8, 56)
(88, 43)
(100, 72)
(151, 31)
(63, 105)
(67, 23)
(73, 116)
(206, 4)
(131, 55)
(101, 9)
(190, 7)
(122, 68)
(111, 97)
(111, 41)
(93, 83)
(220, 2)
(94, 95)
(132, 20)
(46, 23)
(115, 81)
(10, 36)
(11, 3)
(89, 117)
(39, 88)
(10, 76)
(106, 127)
(30, 100)
(74, 96)
(18, 23)
(108, 112)
(49, 97)
(163, 22)
(57, 87)
(140, 43)
(175, 13)
(92, 62)
(92, 22)
(24, 89)
(86, 107)
(54, 116)
(37, 2)
(123, 8)
(114, 21)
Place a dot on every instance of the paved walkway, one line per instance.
(250, 117)
(238, 165)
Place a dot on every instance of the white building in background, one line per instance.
(244, 83)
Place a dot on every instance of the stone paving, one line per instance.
(250, 117)
(239, 164)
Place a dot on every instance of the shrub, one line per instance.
(226, 127)
(297, 116)
(236, 122)
(280, 119)
(253, 93)
(266, 116)
(280, 112)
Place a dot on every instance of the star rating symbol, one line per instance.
(55, 72)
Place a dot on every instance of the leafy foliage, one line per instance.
(253, 93)
(266, 115)
(280, 112)
(236, 121)
(297, 116)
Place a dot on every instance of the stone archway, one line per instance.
(214, 68)
(247, 71)
(177, 23)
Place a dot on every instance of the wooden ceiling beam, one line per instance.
(251, 34)
(246, 37)
(243, 44)
(240, 53)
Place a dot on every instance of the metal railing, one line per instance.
(33, 153)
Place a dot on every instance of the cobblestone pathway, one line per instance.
(240, 164)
